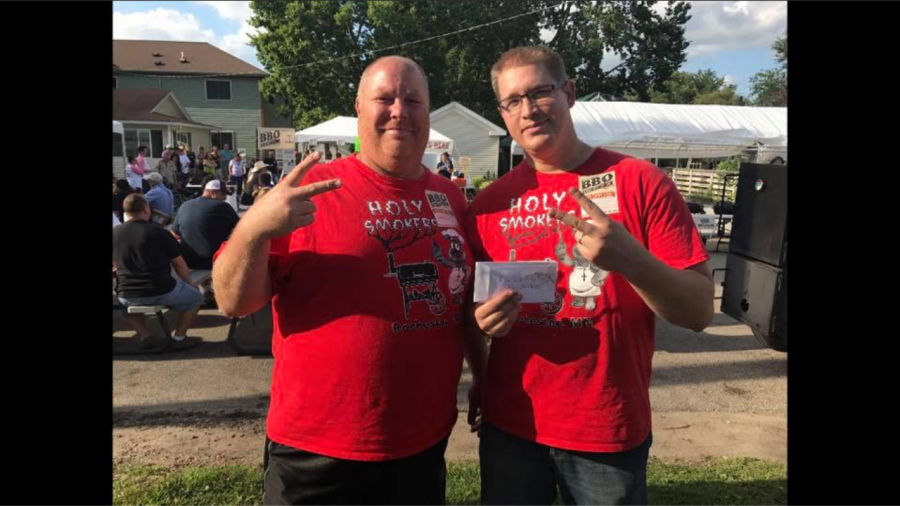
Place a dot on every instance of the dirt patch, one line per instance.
(693, 436)
(176, 440)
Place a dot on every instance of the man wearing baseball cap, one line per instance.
(159, 197)
(204, 224)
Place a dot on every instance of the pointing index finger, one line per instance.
(592, 209)
(295, 177)
(308, 191)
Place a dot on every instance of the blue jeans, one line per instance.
(183, 297)
(519, 471)
(239, 182)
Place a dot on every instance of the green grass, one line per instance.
(463, 483)
(718, 481)
(196, 485)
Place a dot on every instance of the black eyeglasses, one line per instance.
(539, 96)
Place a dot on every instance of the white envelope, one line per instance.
(536, 281)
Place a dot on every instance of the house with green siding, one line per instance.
(151, 116)
(217, 92)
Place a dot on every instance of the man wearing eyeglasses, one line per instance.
(565, 403)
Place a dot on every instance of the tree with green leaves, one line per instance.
(315, 51)
(701, 87)
(769, 87)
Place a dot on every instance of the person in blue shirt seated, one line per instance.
(160, 198)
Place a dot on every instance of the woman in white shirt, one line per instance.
(132, 176)
(185, 164)
(236, 169)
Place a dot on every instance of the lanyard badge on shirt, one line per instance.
(440, 207)
(602, 190)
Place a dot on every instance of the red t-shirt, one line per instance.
(367, 314)
(575, 374)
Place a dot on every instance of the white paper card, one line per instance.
(536, 281)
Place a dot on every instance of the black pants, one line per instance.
(295, 476)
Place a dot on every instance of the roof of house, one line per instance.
(199, 58)
(139, 105)
(493, 130)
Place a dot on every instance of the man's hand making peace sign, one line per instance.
(608, 244)
(240, 273)
(287, 206)
(603, 241)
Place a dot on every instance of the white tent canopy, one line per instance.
(679, 131)
(342, 129)
(118, 128)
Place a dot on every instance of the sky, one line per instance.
(732, 38)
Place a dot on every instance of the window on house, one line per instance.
(156, 143)
(218, 90)
(183, 138)
(144, 140)
(221, 139)
(131, 142)
(150, 138)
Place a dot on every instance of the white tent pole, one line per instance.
(656, 149)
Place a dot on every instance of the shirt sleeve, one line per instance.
(231, 216)
(672, 236)
(281, 258)
(172, 249)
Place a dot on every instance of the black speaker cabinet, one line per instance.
(755, 293)
(755, 287)
(759, 227)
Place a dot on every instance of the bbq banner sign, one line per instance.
(275, 138)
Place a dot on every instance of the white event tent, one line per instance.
(342, 129)
(680, 131)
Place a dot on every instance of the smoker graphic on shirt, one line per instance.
(418, 282)
(586, 279)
